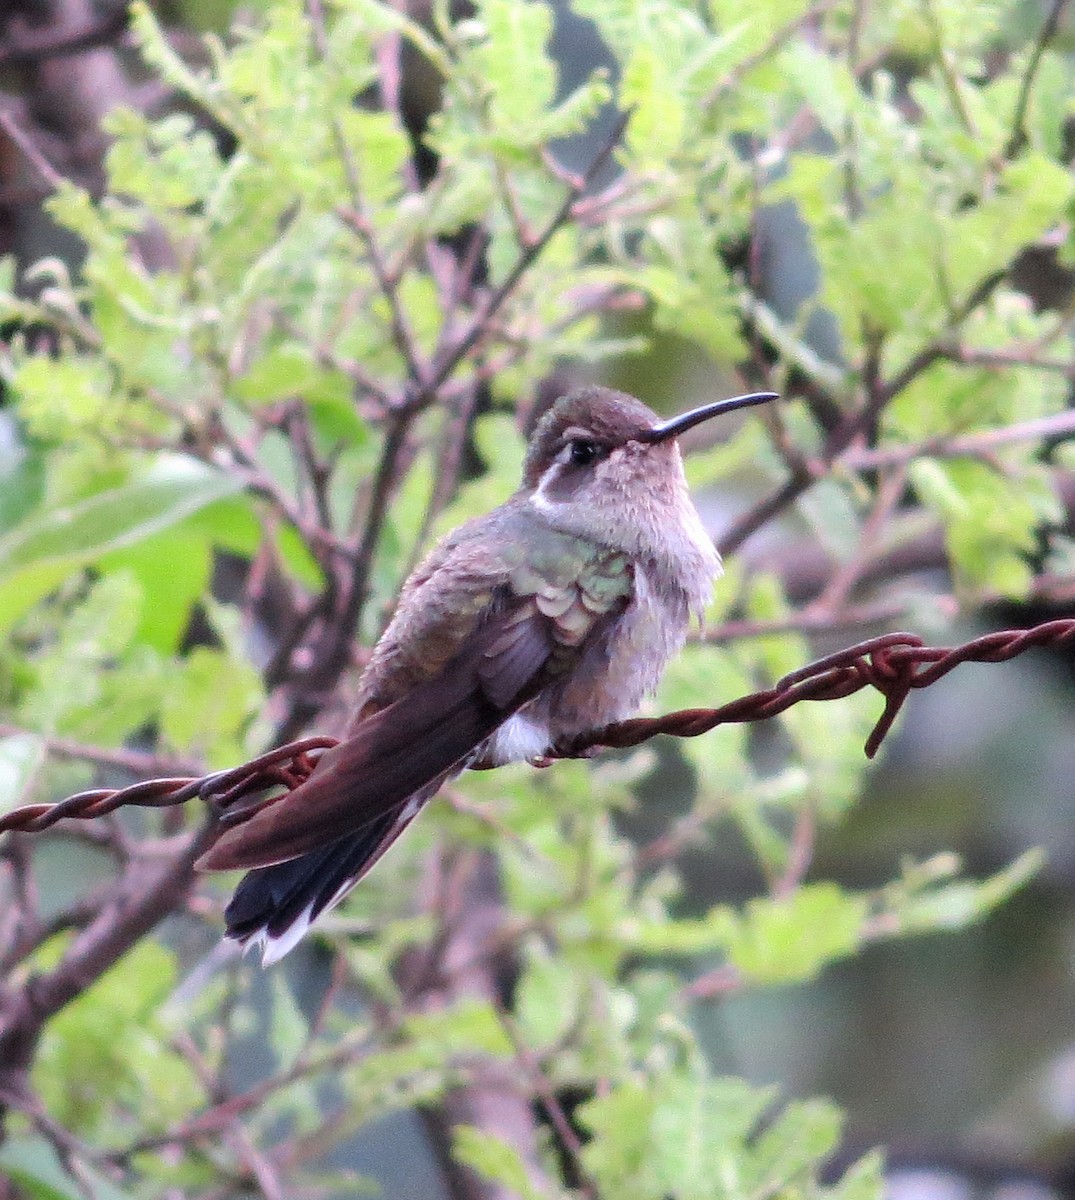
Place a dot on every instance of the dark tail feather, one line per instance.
(274, 906)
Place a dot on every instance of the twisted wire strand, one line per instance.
(287, 765)
(893, 664)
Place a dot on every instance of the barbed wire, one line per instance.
(286, 766)
(894, 664)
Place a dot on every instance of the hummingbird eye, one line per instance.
(583, 451)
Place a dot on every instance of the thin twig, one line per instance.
(807, 621)
(36, 933)
(949, 72)
(844, 435)
(962, 445)
(136, 761)
(142, 898)
(317, 473)
(528, 255)
(721, 981)
(779, 38)
(359, 220)
(842, 581)
(213, 1120)
(26, 144)
(1017, 137)
(569, 1140)
(458, 419)
(1014, 358)
(322, 543)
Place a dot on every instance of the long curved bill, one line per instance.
(677, 425)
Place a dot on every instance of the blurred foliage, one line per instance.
(153, 434)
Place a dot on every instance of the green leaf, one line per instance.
(620, 1154)
(659, 115)
(791, 939)
(296, 557)
(924, 900)
(288, 1028)
(285, 371)
(159, 54)
(168, 164)
(22, 475)
(61, 397)
(21, 590)
(107, 1050)
(515, 49)
(991, 519)
(494, 1160)
(804, 1134)
(547, 997)
(470, 1025)
(381, 149)
(863, 1181)
(827, 85)
(173, 487)
(210, 704)
(671, 1136)
(1031, 196)
(88, 646)
(832, 516)
(174, 569)
(32, 1165)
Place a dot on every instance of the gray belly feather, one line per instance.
(613, 675)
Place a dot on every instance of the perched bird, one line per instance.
(551, 616)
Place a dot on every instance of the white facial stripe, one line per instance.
(538, 498)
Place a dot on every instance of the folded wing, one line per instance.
(511, 655)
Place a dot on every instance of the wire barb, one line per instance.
(893, 664)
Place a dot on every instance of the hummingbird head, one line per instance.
(604, 466)
(595, 444)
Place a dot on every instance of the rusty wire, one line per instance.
(894, 664)
(286, 766)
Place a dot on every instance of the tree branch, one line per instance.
(149, 891)
(1017, 138)
(29, 49)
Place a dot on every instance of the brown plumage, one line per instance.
(550, 616)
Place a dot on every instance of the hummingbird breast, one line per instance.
(591, 623)
(616, 667)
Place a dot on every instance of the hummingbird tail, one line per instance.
(274, 906)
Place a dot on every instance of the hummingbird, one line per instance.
(551, 616)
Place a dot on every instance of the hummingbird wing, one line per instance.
(514, 651)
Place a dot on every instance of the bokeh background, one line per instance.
(955, 1051)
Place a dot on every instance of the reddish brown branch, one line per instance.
(149, 891)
